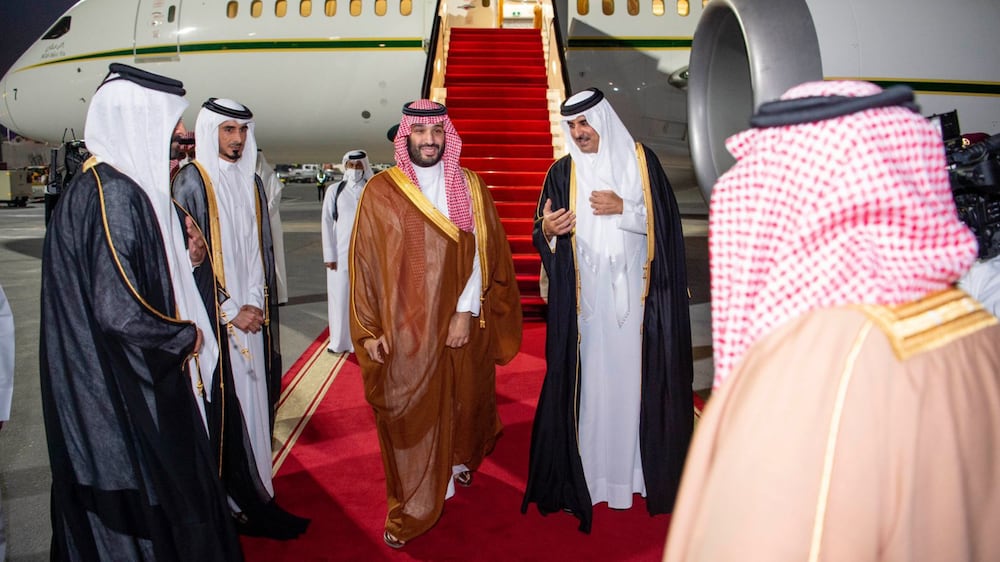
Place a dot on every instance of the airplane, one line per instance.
(325, 76)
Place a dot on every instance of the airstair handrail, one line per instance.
(434, 44)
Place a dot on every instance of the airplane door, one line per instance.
(157, 23)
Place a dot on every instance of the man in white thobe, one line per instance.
(339, 207)
(221, 192)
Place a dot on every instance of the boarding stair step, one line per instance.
(514, 90)
(507, 164)
(516, 209)
(504, 151)
(525, 193)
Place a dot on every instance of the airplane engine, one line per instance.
(747, 52)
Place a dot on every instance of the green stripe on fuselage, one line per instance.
(629, 43)
(276, 45)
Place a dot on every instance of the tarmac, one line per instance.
(25, 477)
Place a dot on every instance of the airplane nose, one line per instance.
(6, 119)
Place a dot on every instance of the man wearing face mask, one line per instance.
(434, 309)
(223, 195)
(615, 415)
(337, 222)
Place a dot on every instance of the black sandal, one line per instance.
(464, 478)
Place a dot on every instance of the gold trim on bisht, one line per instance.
(422, 203)
(212, 207)
(929, 323)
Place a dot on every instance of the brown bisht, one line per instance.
(435, 406)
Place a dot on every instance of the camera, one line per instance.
(974, 173)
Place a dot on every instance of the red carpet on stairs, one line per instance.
(334, 476)
(496, 84)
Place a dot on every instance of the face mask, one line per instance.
(353, 175)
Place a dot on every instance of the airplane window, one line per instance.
(380, 7)
(281, 8)
(405, 7)
(608, 7)
(171, 13)
(305, 8)
(658, 8)
(633, 7)
(683, 8)
(583, 7)
(330, 8)
(59, 29)
(355, 8)
(232, 8)
(256, 8)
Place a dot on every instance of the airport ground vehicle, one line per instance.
(15, 187)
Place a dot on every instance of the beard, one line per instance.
(232, 154)
(419, 159)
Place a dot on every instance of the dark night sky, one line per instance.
(24, 21)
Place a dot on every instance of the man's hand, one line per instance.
(249, 319)
(556, 223)
(458, 329)
(196, 242)
(606, 202)
(331, 265)
(377, 348)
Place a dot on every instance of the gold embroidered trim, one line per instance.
(352, 268)
(929, 323)
(479, 216)
(114, 251)
(831, 441)
(481, 236)
(647, 197)
(218, 268)
(423, 204)
(572, 234)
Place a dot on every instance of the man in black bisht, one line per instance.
(122, 356)
(615, 416)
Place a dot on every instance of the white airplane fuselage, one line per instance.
(318, 85)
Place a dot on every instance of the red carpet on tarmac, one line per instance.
(330, 471)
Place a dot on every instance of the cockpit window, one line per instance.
(59, 29)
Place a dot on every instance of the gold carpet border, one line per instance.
(300, 399)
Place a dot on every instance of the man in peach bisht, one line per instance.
(856, 414)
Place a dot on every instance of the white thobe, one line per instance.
(336, 245)
(611, 358)
(6, 384)
(244, 273)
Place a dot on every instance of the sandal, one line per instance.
(464, 478)
(391, 541)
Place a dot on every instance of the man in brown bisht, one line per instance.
(856, 414)
(434, 309)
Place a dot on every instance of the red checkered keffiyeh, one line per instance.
(855, 209)
(456, 191)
